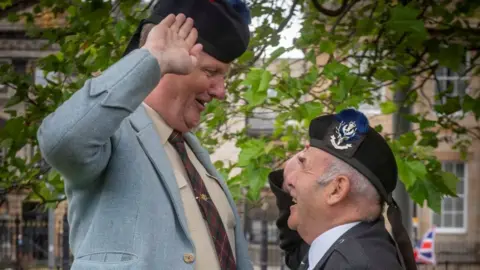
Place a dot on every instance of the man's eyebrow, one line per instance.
(215, 70)
(209, 67)
(301, 159)
(223, 70)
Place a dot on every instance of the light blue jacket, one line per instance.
(124, 205)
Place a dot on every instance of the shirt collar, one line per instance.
(163, 129)
(323, 242)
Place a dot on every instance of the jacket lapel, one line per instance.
(350, 233)
(150, 142)
(325, 257)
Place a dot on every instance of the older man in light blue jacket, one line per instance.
(142, 192)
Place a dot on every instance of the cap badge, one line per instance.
(343, 133)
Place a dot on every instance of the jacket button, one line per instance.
(188, 257)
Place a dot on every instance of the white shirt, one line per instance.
(324, 241)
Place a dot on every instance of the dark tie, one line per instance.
(304, 263)
(208, 209)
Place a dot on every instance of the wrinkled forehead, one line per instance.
(310, 158)
(292, 163)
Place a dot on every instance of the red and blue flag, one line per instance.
(425, 249)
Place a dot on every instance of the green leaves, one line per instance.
(384, 75)
(403, 15)
(408, 139)
(312, 110)
(450, 106)
(388, 107)
(327, 46)
(256, 178)
(417, 168)
(403, 19)
(451, 56)
(421, 172)
(251, 150)
(411, 171)
(448, 183)
(334, 74)
(258, 81)
(471, 105)
(254, 159)
(365, 26)
(5, 3)
(334, 69)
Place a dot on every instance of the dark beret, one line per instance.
(349, 137)
(222, 25)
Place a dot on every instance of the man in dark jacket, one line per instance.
(331, 197)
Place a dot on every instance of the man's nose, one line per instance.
(217, 89)
(289, 184)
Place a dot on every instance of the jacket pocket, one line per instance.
(91, 265)
(109, 257)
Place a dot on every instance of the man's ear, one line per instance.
(338, 189)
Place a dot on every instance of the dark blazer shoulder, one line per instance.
(368, 245)
(352, 257)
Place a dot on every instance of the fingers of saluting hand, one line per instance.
(182, 28)
(168, 21)
(192, 38)
(179, 21)
(185, 29)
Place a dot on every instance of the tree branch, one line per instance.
(329, 12)
(343, 13)
(280, 28)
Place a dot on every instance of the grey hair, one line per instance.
(361, 189)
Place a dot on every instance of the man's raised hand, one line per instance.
(173, 43)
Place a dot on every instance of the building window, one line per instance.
(261, 122)
(453, 215)
(452, 83)
(262, 119)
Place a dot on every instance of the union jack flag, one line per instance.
(425, 250)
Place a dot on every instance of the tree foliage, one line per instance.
(353, 51)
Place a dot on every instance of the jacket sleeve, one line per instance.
(290, 241)
(76, 139)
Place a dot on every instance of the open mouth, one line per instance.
(294, 205)
(201, 103)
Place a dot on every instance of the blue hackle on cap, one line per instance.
(241, 8)
(348, 115)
